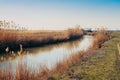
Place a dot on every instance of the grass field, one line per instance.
(99, 64)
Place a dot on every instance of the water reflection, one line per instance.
(68, 45)
(49, 55)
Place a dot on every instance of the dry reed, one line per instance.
(101, 36)
(22, 73)
(12, 39)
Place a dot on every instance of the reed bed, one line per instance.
(11, 39)
(101, 36)
(22, 73)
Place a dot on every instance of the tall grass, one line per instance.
(12, 39)
(101, 36)
(23, 73)
(7, 39)
(75, 32)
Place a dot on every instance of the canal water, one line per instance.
(48, 55)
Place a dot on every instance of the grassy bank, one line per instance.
(58, 72)
(11, 39)
(99, 64)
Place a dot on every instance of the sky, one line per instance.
(62, 14)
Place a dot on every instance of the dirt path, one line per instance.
(117, 65)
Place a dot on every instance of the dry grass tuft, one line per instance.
(101, 36)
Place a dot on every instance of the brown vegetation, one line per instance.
(100, 37)
(22, 73)
(31, 38)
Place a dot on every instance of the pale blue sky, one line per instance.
(61, 14)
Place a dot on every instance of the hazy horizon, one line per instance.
(61, 14)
